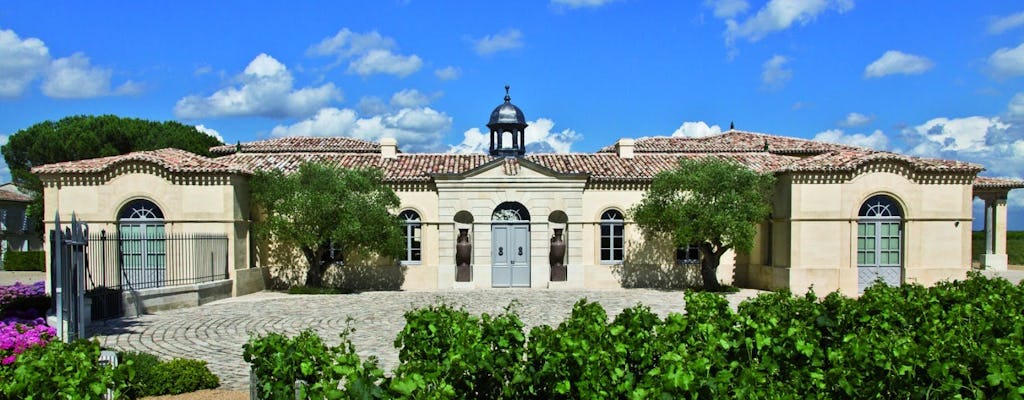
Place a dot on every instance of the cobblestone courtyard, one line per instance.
(216, 332)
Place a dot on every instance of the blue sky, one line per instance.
(938, 79)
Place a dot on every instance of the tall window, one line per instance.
(413, 240)
(611, 236)
(143, 254)
(879, 244)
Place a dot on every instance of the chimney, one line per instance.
(624, 147)
(388, 148)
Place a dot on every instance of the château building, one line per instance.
(843, 216)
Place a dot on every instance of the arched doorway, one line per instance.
(143, 251)
(879, 242)
(510, 245)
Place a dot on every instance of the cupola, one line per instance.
(507, 118)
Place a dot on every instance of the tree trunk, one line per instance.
(315, 272)
(709, 267)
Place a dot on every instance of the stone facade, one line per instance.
(838, 211)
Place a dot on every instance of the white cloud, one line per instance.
(696, 129)
(416, 129)
(856, 119)
(129, 88)
(540, 138)
(779, 15)
(409, 98)
(21, 61)
(506, 40)
(962, 135)
(74, 77)
(1016, 107)
(210, 131)
(370, 53)
(371, 105)
(774, 74)
(348, 44)
(897, 62)
(876, 140)
(727, 8)
(448, 73)
(581, 3)
(1007, 62)
(202, 70)
(385, 62)
(266, 90)
(1003, 24)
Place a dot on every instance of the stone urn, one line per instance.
(557, 257)
(463, 249)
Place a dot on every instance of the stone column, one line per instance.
(995, 232)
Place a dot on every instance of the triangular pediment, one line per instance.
(511, 169)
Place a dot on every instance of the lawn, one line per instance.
(1014, 246)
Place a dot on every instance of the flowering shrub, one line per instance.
(18, 335)
(22, 307)
(24, 301)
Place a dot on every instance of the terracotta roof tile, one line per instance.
(406, 167)
(850, 159)
(332, 144)
(984, 182)
(731, 141)
(11, 195)
(173, 160)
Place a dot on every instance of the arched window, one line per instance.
(413, 238)
(611, 237)
(143, 251)
(879, 242)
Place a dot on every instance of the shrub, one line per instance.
(181, 376)
(34, 260)
(24, 301)
(315, 290)
(137, 371)
(59, 371)
(17, 336)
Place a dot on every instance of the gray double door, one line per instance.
(510, 255)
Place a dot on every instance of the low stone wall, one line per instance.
(251, 280)
(167, 298)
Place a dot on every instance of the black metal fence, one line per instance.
(129, 262)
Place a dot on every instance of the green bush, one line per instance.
(140, 381)
(181, 376)
(24, 260)
(315, 290)
(59, 371)
(1014, 246)
(960, 339)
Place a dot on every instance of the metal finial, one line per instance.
(507, 97)
(238, 147)
(731, 126)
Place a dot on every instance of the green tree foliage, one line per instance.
(86, 136)
(327, 212)
(711, 202)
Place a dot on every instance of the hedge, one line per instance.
(962, 339)
(25, 261)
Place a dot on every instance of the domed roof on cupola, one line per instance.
(507, 113)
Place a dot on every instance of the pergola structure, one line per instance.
(994, 192)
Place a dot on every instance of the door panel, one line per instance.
(520, 246)
(501, 272)
(510, 255)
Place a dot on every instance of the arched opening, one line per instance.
(510, 245)
(140, 225)
(464, 246)
(879, 242)
(612, 246)
(413, 237)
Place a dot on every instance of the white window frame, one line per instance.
(413, 224)
(612, 219)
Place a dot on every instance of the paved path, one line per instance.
(215, 332)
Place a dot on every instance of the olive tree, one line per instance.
(326, 212)
(711, 202)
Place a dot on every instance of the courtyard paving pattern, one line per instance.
(215, 332)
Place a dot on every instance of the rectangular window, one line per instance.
(688, 254)
(612, 242)
(413, 243)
